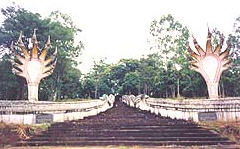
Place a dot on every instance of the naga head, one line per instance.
(210, 63)
(33, 64)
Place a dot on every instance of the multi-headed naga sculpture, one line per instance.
(33, 65)
(210, 63)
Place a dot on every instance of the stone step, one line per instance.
(147, 131)
(158, 129)
(76, 126)
(132, 134)
(161, 127)
(127, 123)
(123, 125)
(100, 127)
(130, 138)
(122, 142)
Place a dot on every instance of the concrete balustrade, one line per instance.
(25, 112)
(224, 109)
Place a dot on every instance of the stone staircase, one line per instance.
(123, 125)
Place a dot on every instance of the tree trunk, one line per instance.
(178, 90)
(96, 91)
(149, 90)
(223, 91)
(21, 92)
(57, 94)
(145, 89)
(219, 91)
(173, 91)
(139, 90)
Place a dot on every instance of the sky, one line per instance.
(116, 29)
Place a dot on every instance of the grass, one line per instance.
(127, 147)
(72, 100)
(226, 129)
(11, 133)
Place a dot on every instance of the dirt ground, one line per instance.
(227, 129)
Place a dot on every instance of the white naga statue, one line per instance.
(210, 63)
(33, 65)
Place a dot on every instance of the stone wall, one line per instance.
(224, 109)
(25, 112)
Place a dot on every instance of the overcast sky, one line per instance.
(118, 29)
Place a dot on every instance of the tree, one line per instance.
(148, 72)
(99, 76)
(72, 87)
(8, 81)
(168, 39)
(88, 87)
(131, 83)
(118, 72)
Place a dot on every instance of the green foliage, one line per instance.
(88, 87)
(131, 83)
(100, 79)
(8, 81)
(168, 38)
